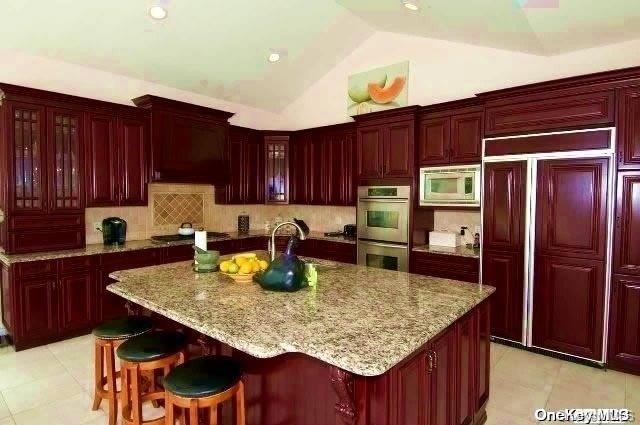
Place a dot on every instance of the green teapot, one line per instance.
(285, 273)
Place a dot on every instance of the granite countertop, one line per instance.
(360, 319)
(96, 249)
(460, 251)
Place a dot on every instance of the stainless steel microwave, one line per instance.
(450, 186)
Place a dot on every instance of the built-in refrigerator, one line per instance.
(547, 238)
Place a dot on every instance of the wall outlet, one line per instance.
(97, 226)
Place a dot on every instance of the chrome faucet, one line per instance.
(272, 247)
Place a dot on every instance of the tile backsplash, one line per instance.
(451, 221)
(172, 204)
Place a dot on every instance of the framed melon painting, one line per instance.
(378, 89)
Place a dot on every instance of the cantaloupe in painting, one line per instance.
(378, 89)
(389, 93)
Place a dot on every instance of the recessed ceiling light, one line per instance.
(410, 5)
(158, 12)
(274, 57)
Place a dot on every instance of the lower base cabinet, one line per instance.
(448, 380)
(624, 338)
(50, 300)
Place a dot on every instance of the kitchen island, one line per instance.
(366, 346)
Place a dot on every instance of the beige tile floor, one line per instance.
(52, 385)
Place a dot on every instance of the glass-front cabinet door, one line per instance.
(27, 138)
(64, 142)
(276, 169)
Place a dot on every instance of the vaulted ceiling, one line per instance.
(220, 48)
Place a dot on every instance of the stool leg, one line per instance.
(111, 384)
(193, 412)
(168, 410)
(213, 416)
(240, 405)
(136, 404)
(97, 376)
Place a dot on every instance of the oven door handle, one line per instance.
(383, 245)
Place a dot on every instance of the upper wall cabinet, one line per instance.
(246, 168)
(628, 128)
(322, 166)
(450, 136)
(42, 171)
(551, 111)
(276, 173)
(188, 142)
(385, 144)
(117, 157)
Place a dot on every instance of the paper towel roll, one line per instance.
(201, 239)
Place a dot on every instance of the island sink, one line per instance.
(365, 346)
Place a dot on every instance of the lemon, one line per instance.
(263, 264)
(233, 268)
(255, 266)
(224, 266)
(240, 261)
(246, 268)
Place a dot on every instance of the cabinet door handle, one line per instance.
(435, 360)
(618, 221)
(429, 362)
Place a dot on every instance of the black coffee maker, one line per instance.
(114, 231)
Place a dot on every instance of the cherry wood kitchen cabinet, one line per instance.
(549, 111)
(300, 161)
(111, 306)
(385, 144)
(450, 136)
(570, 256)
(624, 338)
(101, 159)
(188, 142)
(276, 173)
(246, 168)
(434, 141)
(445, 266)
(447, 381)
(117, 158)
(322, 166)
(503, 245)
(53, 300)
(42, 153)
(628, 128)
(626, 258)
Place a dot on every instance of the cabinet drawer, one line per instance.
(45, 240)
(36, 268)
(336, 251)
(173, 254)
(72, 264)
(254, 244)
(46, 222)
(132, 259)
(445, 266)
(582, 110)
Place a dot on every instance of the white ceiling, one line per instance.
(219, 48)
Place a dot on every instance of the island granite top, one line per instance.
(360, 319)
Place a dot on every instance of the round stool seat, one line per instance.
(123, 328)
(151, 346)
(203, 377)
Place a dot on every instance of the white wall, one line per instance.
(442, 71)
(64, 77)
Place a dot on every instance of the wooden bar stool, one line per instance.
(108, 336)
(204, 383)
(146, 354)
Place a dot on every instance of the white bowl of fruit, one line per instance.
(241, 267)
